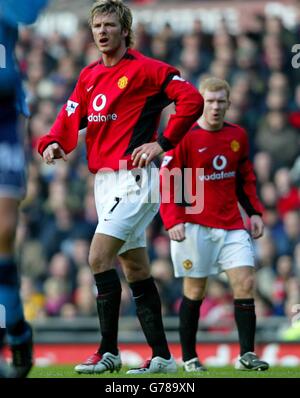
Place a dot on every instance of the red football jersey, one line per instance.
(121, 107)
(214, 170)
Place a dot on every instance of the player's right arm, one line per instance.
(177, 232)
(171, 186)
(63, 136)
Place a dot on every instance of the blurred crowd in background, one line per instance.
(58, 215)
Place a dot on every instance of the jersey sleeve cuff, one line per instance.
(255, 213)
(44, 145)
(164, 143)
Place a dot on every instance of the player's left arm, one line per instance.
(257, 226)
(247, 192)
(188, 108)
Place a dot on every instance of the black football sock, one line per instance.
(244, 313)
(189, 314)
(108, 306)
(18, 329)
(148, 309)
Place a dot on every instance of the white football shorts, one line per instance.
(209, 251)
(126, 202)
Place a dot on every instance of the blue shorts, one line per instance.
(12, 156)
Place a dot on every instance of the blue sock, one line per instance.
(16, 328)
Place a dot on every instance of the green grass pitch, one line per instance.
(67, 371)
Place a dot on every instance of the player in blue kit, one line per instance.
(12, 184)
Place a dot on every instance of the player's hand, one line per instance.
(144, 154)
(257, 226)
(54, 151)
(177, 232)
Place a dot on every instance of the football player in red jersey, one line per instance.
(213, 239)
(119, 99)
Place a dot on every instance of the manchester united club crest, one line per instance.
(187, 264)
(235, 146)
(122, 82)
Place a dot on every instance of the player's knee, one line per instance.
(99, 262)
(245, 287)
(194, 289)
(135, 271)
(194, 292)
(8, 231)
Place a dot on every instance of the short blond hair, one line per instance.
(214, 84)
(115, 7)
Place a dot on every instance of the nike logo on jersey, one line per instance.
(89, 89)
(202, 149)
(176, 77)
